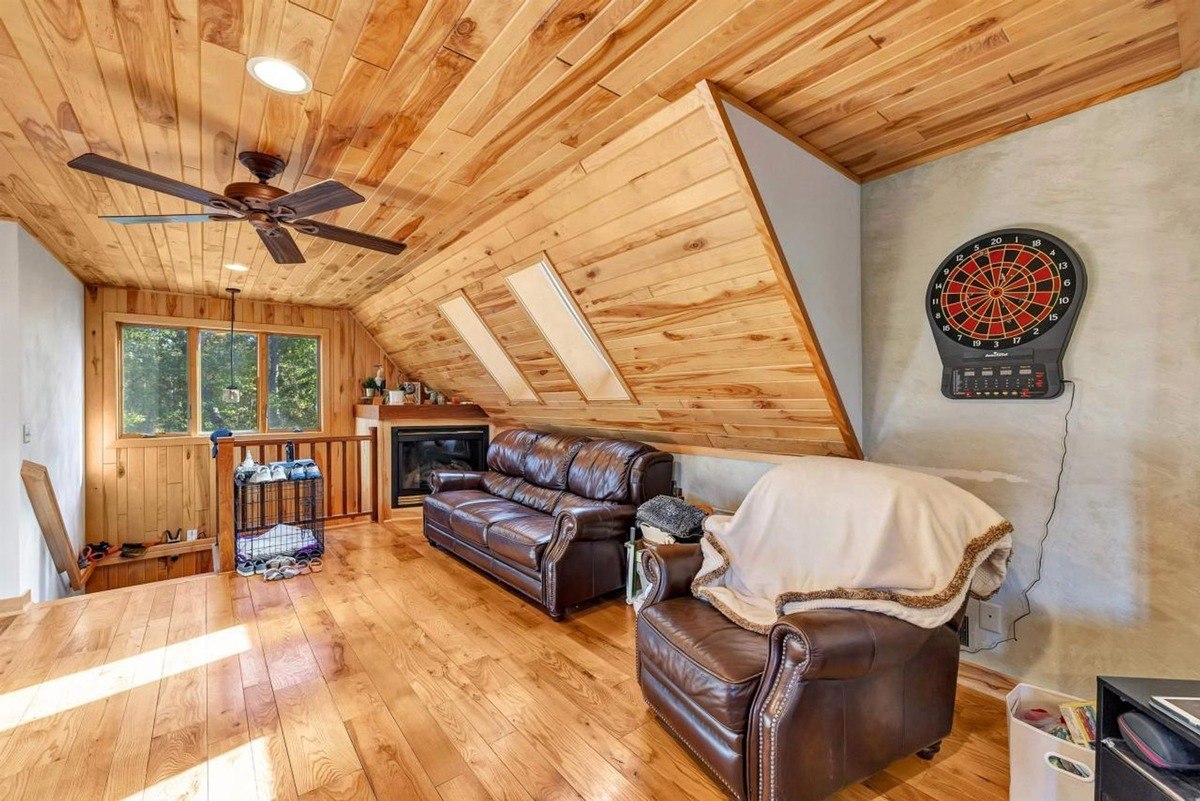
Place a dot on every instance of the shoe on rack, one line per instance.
(312, 471)
(297, 472)
(278, 473)
(261, 475)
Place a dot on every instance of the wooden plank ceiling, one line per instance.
(443, 112)
(660, 240)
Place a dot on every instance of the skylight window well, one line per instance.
(546, 300)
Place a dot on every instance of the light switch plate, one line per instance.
(25, 435)
(991, 617)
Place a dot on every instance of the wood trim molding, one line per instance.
(1189, 34)
(984, 679)
(711, 99)
(809, 148)
(15, 605)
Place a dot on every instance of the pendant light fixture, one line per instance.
(231, 394)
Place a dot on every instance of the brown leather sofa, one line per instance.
(551, 514)
(826, 699)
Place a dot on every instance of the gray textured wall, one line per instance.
(1121, 183)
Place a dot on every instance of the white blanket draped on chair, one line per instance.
(823, 532)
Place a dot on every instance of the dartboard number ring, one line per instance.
(1003, 290)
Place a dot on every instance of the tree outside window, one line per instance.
(214, 378)
(154, 380)
(293, 383)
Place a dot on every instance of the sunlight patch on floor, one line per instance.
(87, 686)
(228, 776)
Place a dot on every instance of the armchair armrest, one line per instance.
(594, 523)
(450, 480)
(842, 643)
(849, 677)
(670, 569)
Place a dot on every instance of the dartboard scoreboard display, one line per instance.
(1002, 308)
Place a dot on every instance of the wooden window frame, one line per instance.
(115, 325)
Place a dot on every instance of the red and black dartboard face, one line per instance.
(1003, 290)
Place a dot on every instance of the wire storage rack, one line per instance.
(278, 518)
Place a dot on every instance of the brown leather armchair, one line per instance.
(826, 699)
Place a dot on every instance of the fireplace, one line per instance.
(417, 452)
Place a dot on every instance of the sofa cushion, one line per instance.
(707, 657)
(550, 458)
(506, 453)
(499, 484)
(439, 505)
(535, 497)
(522, 540)
(470, 521)
(601, 469)
(569, 501)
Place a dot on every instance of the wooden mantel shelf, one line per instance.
(450, 411)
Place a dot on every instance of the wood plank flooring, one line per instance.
(395, 673)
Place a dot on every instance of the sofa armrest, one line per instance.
(670, 569)
(450, 480)
(842, 643)
(594, 523)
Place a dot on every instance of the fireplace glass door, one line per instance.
(416, 454)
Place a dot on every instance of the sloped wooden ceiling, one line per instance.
(660, 240)
(443, 112)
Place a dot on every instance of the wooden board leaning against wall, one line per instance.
(137, 487)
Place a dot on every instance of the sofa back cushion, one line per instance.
(507, 452)
(501, 485)
(550, 458)
(535, 497)
(601, 469)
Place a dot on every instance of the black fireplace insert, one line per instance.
(417, 452)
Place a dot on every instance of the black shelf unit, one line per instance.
(1120, 775)
(278, 518)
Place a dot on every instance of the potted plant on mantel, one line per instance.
(369, 387)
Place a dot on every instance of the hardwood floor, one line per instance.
(396, 673)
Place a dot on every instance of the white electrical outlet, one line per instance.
(991, 617)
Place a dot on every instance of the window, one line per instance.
(491, 354)
(293, 383)
(551, 307)
(154, 380)
(215, 412)
(173, 381)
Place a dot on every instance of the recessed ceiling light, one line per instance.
(279, 75)
(237, 268)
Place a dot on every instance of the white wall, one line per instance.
(51, 357)
(814, 210)
(41, 364)
(12, 492)
(1121, 183)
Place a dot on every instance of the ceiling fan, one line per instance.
(267, 208)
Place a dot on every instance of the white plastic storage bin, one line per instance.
(1033, 775)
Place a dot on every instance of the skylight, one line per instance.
(548, 303)
(487, 349)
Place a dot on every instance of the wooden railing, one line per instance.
(348, 464)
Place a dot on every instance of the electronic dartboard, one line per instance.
(1002, 307)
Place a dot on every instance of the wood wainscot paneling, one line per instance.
(662, 242)
(137, 487)
(443, 113)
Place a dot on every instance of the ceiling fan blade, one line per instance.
(281, 245)
(325, 196)
(108, 168)
(170, 218)
(347, 236)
